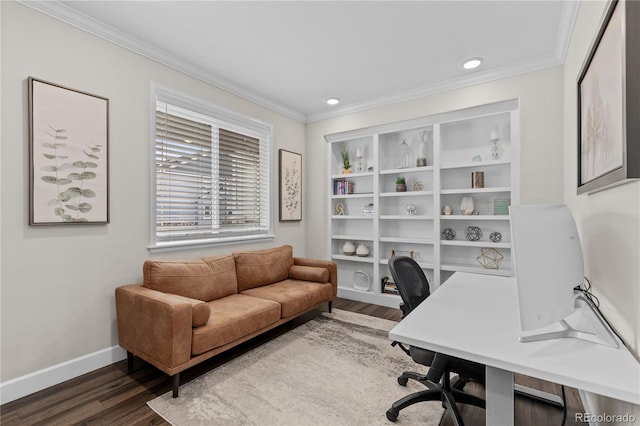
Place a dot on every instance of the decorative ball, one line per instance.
(496, 237)
(418, 185)
(449, 234)
(473, 233)
(411, 209)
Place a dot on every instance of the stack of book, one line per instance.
(342, 187)
(501, 206)
(389, 286)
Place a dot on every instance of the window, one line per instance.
(211, 180)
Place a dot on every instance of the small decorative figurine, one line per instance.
(447, 210)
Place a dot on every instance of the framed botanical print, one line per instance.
(68, 155)
(290, 193)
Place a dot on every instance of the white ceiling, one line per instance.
(292, 55)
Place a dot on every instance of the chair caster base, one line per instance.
(392, 415)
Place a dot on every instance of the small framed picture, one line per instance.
(290, 188)
(68, 155)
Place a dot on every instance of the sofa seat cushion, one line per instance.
(295, 296)
(233, 317)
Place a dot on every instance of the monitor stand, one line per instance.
(599, 333)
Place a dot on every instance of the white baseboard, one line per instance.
(38, 380)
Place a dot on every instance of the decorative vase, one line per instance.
(495, 150)
(349, 248)
(362, 250)
(421, 161)
(467, 206)
(403, 159)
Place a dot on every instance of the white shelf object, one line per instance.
(476, 190)
(406, 194)
(456, 144)
(475, 217)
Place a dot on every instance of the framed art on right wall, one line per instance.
(609, 102)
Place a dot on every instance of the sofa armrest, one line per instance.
(328, 264)
(155, 326)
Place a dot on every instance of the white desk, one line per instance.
(475, 317)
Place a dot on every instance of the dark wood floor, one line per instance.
(113, 396)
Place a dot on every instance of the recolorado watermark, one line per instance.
(605, 418)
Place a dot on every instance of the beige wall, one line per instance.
(541, 148)
(58, 281)
(608, 221)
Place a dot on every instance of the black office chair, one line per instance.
(414, 289)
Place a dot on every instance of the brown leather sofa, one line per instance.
(187, 311)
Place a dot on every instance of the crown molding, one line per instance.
(567, 22)
(86, 23)
(471, 80)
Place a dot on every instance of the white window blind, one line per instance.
(211, 178)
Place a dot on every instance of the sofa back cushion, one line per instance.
(262, 267)
(195, 278)
(224, 276)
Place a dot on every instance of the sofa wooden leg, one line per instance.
(330, 305)
(175, 384)
(129, 361)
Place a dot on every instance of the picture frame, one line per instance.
(608, 102)
(290, 186)
(68, 155)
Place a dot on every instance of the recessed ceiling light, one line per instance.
(472, 63)
(333, 101)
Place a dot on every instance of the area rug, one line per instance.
(336, 369)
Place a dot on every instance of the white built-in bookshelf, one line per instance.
(365, 208)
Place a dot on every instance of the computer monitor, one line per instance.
(548, 267)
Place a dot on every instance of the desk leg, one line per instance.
(499, 388)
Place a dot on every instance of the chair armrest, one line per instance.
(328, 264)
(155, 326)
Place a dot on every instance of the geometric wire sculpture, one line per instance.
(448, 234)
(473, 233)
(496, 237)
(490, 258)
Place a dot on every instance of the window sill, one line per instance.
(213, 242)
